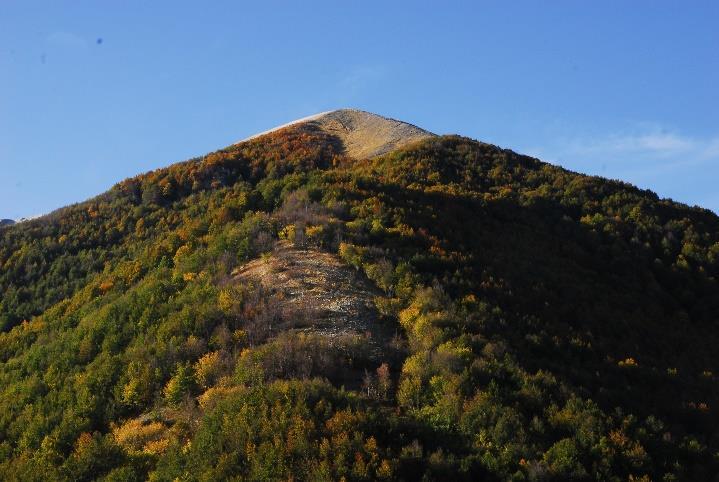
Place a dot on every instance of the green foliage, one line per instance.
(548, 325)
(180, 385)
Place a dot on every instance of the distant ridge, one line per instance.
(363, 134)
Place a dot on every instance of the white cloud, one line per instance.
(642, 149)
(640, 144)
(654, 144)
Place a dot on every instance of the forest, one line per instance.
(546, 325)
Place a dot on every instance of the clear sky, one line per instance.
(93, 92)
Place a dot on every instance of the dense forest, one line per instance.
(546, 325)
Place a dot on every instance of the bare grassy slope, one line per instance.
(367, 135)
(362, 134)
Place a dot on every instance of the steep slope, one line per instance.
(492, 317)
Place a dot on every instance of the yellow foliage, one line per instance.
(409, 392)
(629, 362)
(156, 447)
(226, 300)
(618, 438)
(385, 470)
(208, 368)
(343, 421)
(314, 232)
(402, 229)
(181, 252)
(351, 254)
(453, 354)
(415, 365)
(408, 316)
(288, 232)
(129, 271)
(370, 446)
(136, 436)
(213, 395)
(240, 336)
(140, 227)
(434, 249)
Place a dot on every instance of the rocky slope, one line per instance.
(314, 289)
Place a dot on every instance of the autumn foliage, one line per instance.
(544, 324)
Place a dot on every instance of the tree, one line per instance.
(180, 385)
(384, 381)
(382, 273)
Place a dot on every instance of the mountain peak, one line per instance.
(363, 134)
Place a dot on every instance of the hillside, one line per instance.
(353, 297)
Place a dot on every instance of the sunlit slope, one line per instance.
(360, 134)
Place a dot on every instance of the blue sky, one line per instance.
(93, 92)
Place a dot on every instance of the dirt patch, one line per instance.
(319, 292)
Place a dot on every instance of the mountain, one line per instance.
(6, 222)
(352, 297)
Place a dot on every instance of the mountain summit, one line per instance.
(363, 134)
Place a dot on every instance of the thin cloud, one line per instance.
(653, 144)
(648, 145)
(633, 151)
